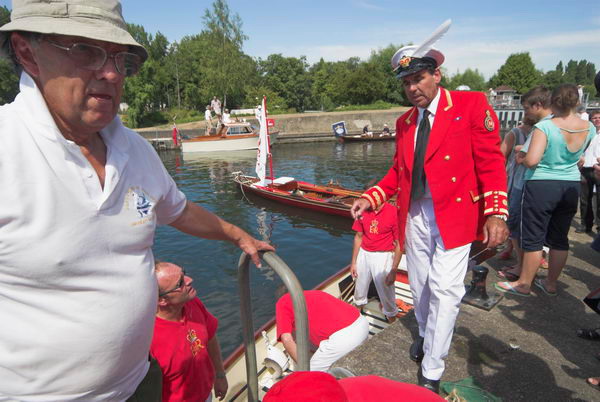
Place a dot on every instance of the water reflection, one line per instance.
(313, 244)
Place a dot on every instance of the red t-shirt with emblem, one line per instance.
(379, 229)
(371, 388)
(326, 315)
(181, 349)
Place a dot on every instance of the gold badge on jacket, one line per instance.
(488, 122)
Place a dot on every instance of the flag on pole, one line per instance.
(263, 144)
(339, 129)
(175, 133)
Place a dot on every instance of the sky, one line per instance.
(483, 33)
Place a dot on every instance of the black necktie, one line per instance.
(418, 174)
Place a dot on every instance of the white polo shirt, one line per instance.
(592, 153)
(77, 286)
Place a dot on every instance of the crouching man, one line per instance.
(334, 327)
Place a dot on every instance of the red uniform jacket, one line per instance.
(463, 164)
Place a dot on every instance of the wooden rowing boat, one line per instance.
(365, 138)
(331, 199)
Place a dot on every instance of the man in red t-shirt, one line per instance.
(309, 386)
(376, 255)
(185, 342)
(334, 327)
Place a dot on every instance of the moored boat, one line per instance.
(331, 199)
(234, 136)
(365, 137)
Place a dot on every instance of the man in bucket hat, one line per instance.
(449, 178)
(81, 198)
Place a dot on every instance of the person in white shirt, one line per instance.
(81, 198)
(589, 183)
(208, 119)
(582, 113)
(215, 105)
(226, 117)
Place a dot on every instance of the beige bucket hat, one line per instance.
(93, 19)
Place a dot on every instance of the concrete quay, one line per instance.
(524, 349)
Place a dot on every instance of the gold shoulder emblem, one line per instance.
(488, 122)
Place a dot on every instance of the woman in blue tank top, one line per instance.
(551, 190)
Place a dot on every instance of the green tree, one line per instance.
(9, 81)
(471, 78)
(226, 38)
(381, 61)
(149, 91)
(319, 78)
(364, 85)
(553, 78)
(254, 96)
(518, 72)
(139, 34)
(570, 72)
(288, 77)
(559, 68)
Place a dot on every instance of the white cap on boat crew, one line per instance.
(404, 64)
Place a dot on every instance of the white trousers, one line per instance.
(376, 266)
(436, 277)
(339, 344)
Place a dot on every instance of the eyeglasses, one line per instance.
(179, 285)
(92, 57)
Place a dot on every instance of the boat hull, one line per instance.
(360, 138)
(219, 144)
(330, 200)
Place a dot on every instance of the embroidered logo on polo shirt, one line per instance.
(137, 199)
(143, 205)
(195, 342)
(373, 229)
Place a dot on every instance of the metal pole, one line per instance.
(300, 317)
(268, 140)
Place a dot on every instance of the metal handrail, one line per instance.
(300, 316)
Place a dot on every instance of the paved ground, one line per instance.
(546, 362)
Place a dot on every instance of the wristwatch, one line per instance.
(502, 216)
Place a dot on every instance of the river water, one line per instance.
(314, 245)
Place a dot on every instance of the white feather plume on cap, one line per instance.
(423, 50)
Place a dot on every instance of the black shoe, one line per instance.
(416, 350)
(432, 385)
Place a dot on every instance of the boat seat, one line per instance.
(291, 185)
(283, 180)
